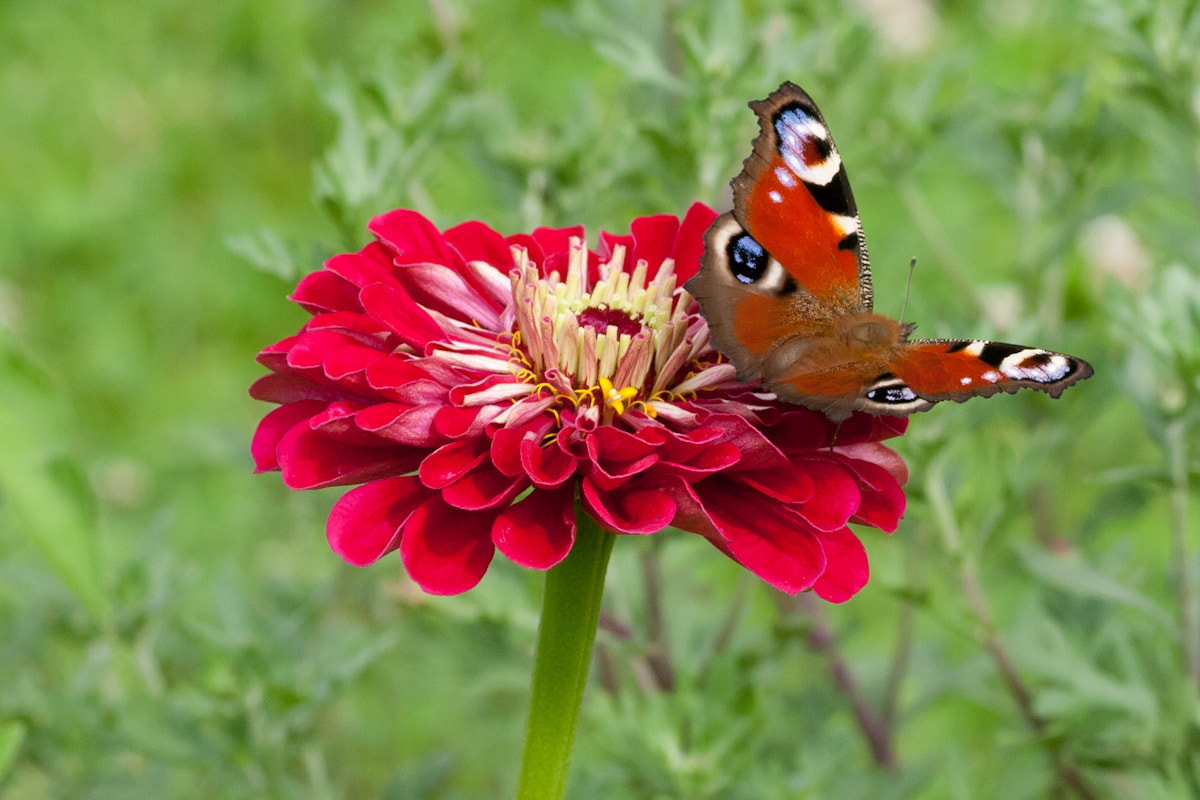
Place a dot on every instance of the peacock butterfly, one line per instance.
(785, 284)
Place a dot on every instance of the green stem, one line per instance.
(570, 611)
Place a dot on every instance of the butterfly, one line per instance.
(785, 284)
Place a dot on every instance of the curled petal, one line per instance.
(629, 510)
(835, 495)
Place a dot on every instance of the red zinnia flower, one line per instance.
(476, 385)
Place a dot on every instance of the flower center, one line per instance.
(616, 344)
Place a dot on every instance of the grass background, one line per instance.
(171, 626)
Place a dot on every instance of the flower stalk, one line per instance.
(570, 612)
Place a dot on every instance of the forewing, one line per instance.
(794, 198)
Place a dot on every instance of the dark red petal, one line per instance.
(835, 494)
(883, 500)
(768, 538)
(537, 532)
(689, 242)
(846, 567)
(790, 484)
(485, 487)
(450, 462)
(323, 291)
(365, 523)
(392, 306)
(628, 509)
(273, 427)
(309, 460)
(446, 550)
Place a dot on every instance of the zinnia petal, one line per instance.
(446, 550)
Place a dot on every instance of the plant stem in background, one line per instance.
(1175, 444)
(1066, 770)
(570, 612)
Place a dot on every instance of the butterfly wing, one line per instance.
(791, 256)
(927, 371)
(794, 198)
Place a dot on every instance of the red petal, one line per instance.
(445, 550)
(485, 487)
(557, 240)
(547, 466)
(365, 523)
(309, 460)
(392, 306)
(450, 462)
(273, 428)
(654, 238)
(846, 567)
(370, 265)
(835, 494)
(410, 237)
(538, 531)
(440, 288)
(767, 538)
(324, 291)
(689, 242)
(791, 484)
(610, 241)
(629, 510)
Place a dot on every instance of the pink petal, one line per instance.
(628, 510)
(538, 531)
(445, 550)
(365, 523)
(846, 567)
(401, 423)
(440, 288)
(292, 387)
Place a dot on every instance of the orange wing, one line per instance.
(794, 198)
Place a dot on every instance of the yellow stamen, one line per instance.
(616, 397)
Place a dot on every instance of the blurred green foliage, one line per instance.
(172, 627)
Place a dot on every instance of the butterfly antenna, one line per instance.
(912, 266)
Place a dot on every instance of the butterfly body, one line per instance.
(785, 284)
